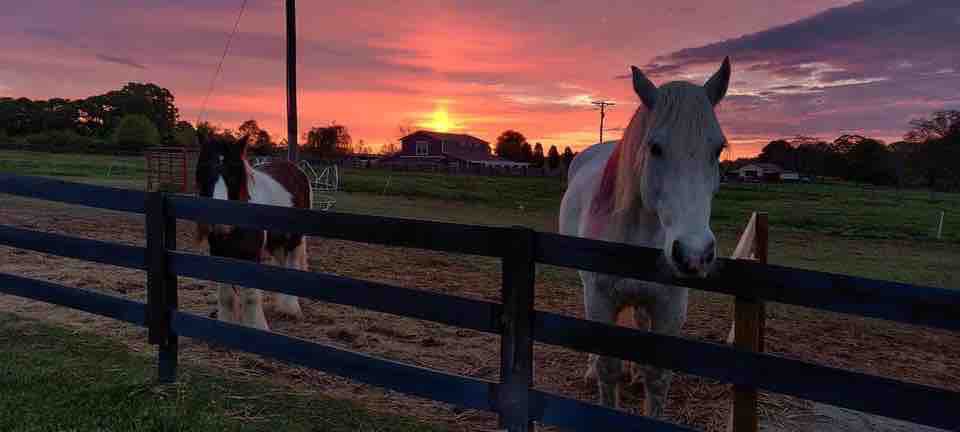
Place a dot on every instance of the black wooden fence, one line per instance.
(513, 398)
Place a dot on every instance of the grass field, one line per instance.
(72, 165)
(57, 380)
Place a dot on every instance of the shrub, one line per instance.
(135, 133)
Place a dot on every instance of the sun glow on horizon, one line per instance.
(440, 120)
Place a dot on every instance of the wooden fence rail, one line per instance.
(518, 404)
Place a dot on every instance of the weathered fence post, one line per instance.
(516, 341)
(749, 317)
(940, 226)
(161, 285)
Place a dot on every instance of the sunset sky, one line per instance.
(816, 67)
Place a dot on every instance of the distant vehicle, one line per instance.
(790, 176)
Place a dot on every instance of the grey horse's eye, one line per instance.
(655, 149)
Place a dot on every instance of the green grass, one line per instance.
(67, 165)
(52, 379)
(531, 193)
(843, 210)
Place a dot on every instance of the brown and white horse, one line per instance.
(224, 173)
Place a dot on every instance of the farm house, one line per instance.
(436, 150)
(760, 172)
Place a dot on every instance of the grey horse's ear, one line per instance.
(644, 88)
(716, 86)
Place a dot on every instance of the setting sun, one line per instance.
(439, 121)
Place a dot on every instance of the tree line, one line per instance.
(928, 155)
(118, 120)
(134, 117)
(512, 145)
(140, 115)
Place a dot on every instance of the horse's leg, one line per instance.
(252, 299)
(600, 306)
(641, 322)
(285, 303)
(667, 316)
(226, 303)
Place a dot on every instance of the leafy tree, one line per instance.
(206, 130)
(778, 152)
(553, 158)
(937, 150)
(58, 114)
(942, 124)
(813, 158)
(510, 145)
(249, 128)
(151, 100)
(526, 153)
(260, 142)
(329, 141)
(870, 161)
(136, 132)
(567, 156)
(185, 135)
(538, 155)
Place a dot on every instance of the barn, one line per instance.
(429, 150)
(760, 172)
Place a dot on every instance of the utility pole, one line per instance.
(603, 113)
(291, 80)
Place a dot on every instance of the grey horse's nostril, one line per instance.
(677, 254)
(711, 253)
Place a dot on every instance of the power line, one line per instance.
(603, 104)
(213, 80)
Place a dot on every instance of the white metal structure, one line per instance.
(322, 184)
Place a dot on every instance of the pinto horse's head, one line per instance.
(222, 173)
(672, 146)
(222, 168)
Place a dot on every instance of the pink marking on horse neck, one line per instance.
(602, 206)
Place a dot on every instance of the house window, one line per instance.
(443, 146)
(423, 148)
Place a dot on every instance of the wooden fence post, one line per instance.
(161, 285)
(516, 341)
(749, 317)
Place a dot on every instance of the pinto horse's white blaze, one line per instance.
(653, 188)
(223, 173)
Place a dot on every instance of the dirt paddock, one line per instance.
(903, 352)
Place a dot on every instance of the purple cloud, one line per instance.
(121, 61)
(872, 65)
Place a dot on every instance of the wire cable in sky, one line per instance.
(226, 49)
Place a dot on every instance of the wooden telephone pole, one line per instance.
(291, 80)
(603, 113)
